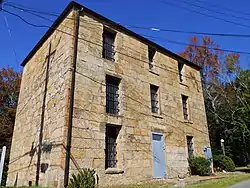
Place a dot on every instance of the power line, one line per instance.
(204, 14)
(190, 32)
(215, 11)
(170, 69)
(170, 41)
(10, 34)
(21, 18)
(224, 7)
(186, 44)
(35, 13)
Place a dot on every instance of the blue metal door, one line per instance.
(159, 169)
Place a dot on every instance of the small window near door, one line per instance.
(154, 91)
(190, 147)
(111, 143)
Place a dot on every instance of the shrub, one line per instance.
(224, 163)
(200, 166)
(83, 179)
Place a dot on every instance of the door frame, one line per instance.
(164, 153)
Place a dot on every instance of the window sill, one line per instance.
(155, 115)
(181, 83)
(153, 72)
(114, 171)
(114, 115)
(109, 60)
(188, 121)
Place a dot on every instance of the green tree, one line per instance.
(226, 93)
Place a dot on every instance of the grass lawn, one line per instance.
(219, 183)
(222, 183)
(148, 185)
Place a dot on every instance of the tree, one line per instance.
(226, 91)
(9, 90)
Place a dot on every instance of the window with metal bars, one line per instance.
(180, 67)
(151, 54)
(111, 149)
(108, 51)
(185, 106)
(154, 98)
(112, 94)
(190, 147)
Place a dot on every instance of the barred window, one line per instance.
(185, 106)
(112, 94)
(154, 98)
(111, 149)
(190, 147)
(180, 67)
(108, 51)
(151, 54)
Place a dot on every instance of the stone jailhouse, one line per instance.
(97, 95)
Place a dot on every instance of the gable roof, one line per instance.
(111, 23)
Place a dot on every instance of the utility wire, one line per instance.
(215, 11)
(224, 7)
(165, 67)
(10, 34)
(21, 18)
(157, 29)
(170, 69)
(170, 41)
(186, 44)
(204, 14)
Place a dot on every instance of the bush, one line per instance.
(200, 166)
(224, 163)
(83, 179)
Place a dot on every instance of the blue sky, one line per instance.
(152, 13)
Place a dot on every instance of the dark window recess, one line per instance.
(44, 167)
(151, 54)
(30, 183)
(154, 98)
(190, 147)
(112, 95)
(110, 150)
(180, 67)
(108, 51)
(185, 106)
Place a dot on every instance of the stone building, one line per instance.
(97, 95)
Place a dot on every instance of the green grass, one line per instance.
(222, 183)
(146, 185)
(219, 183)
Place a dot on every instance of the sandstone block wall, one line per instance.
(135, 118)
(22, 168)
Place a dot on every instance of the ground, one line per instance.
(217, 181)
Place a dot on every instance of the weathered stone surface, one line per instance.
(137, 123)
(22, 166)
